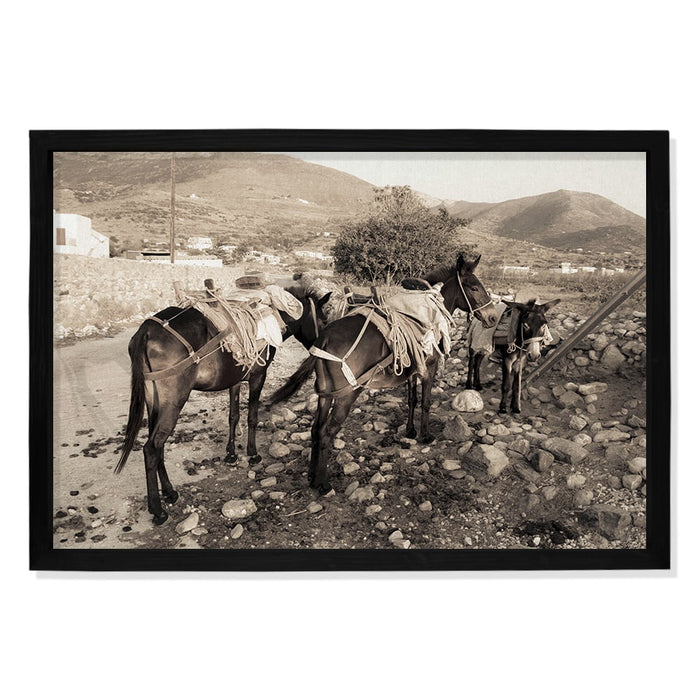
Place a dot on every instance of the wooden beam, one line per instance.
(591, 322)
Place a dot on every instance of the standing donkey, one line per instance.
(529, 332)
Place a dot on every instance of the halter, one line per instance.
(525, 342)
(472, 311)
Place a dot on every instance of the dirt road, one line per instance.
(91, 404)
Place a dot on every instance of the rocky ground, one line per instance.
(569, 472)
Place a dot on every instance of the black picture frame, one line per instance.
(657, 555)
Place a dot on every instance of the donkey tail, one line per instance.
(295, 382)
(138, 398)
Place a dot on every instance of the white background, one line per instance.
(552, 65)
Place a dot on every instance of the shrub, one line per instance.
(399, 237)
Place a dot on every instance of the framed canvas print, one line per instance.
(349, 350)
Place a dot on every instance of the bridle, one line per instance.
(472, 311)
(524, 342)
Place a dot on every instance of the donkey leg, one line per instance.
(255, 385)
(426, 395)
(478, 359)
(153, 452)
(506, 384)
(341, 408)
(234, 413)
(470, 369)
(517, 385)
(170, 495)
(412, 385)
(318, 429)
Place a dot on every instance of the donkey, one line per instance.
(527, 339)
(154, 348)
(366, 354)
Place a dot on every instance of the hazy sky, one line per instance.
(495, 177)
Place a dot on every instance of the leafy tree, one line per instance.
(399, 237)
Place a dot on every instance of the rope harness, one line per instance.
(236, 327)
(472, 311)
(403, 334)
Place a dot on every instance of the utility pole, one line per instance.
(172, 208)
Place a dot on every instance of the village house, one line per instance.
(73, 234)
(199, 243)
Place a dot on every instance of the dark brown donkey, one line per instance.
(154, 348)
(526, 345)
(461, 289)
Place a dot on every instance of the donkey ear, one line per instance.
(324, 299)
(546, 307)
(467, 265)
(515, 305)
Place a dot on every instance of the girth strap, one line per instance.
(192, 359)
(318, 352)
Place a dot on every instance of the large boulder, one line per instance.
(469, 401)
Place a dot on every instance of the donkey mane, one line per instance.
(440, 274)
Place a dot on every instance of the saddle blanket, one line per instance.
(482, 340)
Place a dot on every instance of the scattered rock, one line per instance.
(237, 531)
(314, 507)
(277, 450)
(189, 523)
(238, 508)
(350, 467)
(469, 401)
(612, 435)
(269, 481)
(593, 388)
(426, 506)
(610, 521)
(632, 481)
(527, 473)
(457, 429)
(363, 493)
(565, 450)
(490, 457)
(612, 358)
(578, 422)
(542, 460)
(576, 481)
(637, 465)
(583, 498)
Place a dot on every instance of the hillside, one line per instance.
(561, 219)
(228, 196)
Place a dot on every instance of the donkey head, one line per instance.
(474, 298)
(530, 333)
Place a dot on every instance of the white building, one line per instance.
(516, 269)
(199, 243)
(73, 234)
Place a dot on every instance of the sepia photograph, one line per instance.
(265, 350)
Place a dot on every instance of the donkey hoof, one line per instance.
(324, 489)
(503, 410)
(411, 433)
(427, 439)
(230, 459)
(160, 518)
(171, 497)
(254, 459)
(515, 410)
